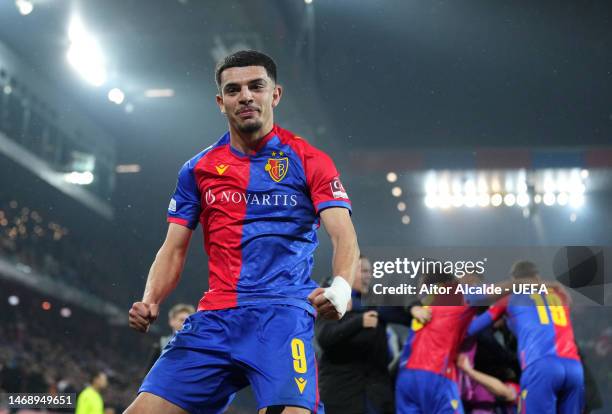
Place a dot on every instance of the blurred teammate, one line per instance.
(176, 318)
(259, 193)
(552, 380)
(90, 399)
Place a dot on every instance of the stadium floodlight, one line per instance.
(549, 199)
(522, 187)
(392, 177)
(79, 178)
(573, 217)
(84, 53)
(562, 199)
(470, 200)
(13, 300)
(25, 7)
(406, 219)
(431, 201)
(116, 96)
(445, 200)
(401, 206)
(65, 312)
(457, 200)
(509, 199)
(396, 191)
(308, 1)
(537, 198)
(576, 200)
(584, 174)
(159, 93)
(522, 199)
(484, 200)
(496, 200)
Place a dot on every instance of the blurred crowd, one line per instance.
(42, 352)
(36, 243)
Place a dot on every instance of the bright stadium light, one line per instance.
(396, 191)
(576, 200)
(25, 7)
(584, 174)
(573, 217)
(470, 200)
(522, 199)
(562, 199)
(79, 178)
(401, 206)
(391, 177)
(406, 219)
(484, 200)
(496, 200)
(537, 198)
(509, 199)
(84, 54)
(13, 300)
(457, 200)
(549, 199)
(445, 200)
(522, 187)
(308, 1)
(431, 200)
(65, 312)
(116, 96)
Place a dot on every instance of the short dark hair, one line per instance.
(524, 269)
(244, 58)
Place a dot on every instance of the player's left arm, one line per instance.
(331, 302)
(494, 313)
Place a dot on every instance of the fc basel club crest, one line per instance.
(277, 166)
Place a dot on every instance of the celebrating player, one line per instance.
(259, 193)
(552, 380)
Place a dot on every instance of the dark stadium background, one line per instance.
(414, 88)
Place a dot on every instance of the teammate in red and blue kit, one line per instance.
(552, 380)
(426, 381)
(259, 194)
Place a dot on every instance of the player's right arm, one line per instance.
(164, 275)
(489, 317)
(165, 271)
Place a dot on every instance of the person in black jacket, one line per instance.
(353, 376)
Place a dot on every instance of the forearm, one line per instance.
(492, 384)
(164, 275)
(346, 255)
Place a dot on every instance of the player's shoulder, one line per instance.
(193, 161)
(299, 144)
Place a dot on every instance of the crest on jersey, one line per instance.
(277, 166)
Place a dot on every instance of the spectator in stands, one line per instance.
(90, 399)
(176, 317)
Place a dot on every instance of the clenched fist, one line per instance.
(142, 315)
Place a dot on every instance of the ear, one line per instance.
(276, 95)
(219, 99)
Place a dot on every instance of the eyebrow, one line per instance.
(252, 81)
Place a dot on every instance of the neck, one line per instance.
(248, 142)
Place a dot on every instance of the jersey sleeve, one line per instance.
(486, 319)
(323, 179)
(184, 208)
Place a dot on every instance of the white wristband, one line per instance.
(339, 294)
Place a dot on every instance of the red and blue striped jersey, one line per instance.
(259, 215)
(434, 346)
(540, 322)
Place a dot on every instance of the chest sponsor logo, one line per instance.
(277, 166)
(337, 188)
(257, 199)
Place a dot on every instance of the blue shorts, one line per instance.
(424, 392)
(217, 353)
(552, 385)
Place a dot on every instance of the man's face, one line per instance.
(176, 323)
(101, 381)
(365, 275)
(248, 97)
